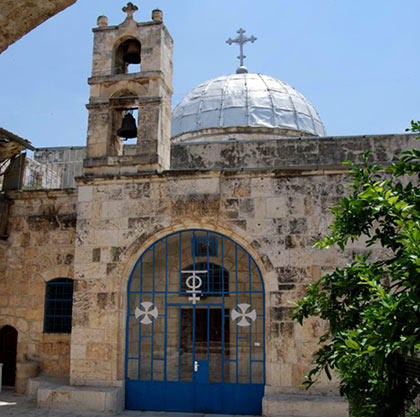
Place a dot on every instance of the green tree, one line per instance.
(373, 304)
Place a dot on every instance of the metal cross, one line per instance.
(245, 313)
(147, 314)
(242, 40)
(130, 9)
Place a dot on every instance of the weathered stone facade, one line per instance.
(270, 194)
(40, 247)
(275, 216)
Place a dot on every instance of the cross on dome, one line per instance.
(241, 40)
(130, 9)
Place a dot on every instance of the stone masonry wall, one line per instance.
(40, 247)
(303, 152)
(275, 215)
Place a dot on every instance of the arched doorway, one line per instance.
(195, 327)
(8, 349)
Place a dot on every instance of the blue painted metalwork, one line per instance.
(189, 356)
(166, 307)
(213, 280)
(204, 246)
(58, 305)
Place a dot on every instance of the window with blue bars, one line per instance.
(58, 305)
(215, 281)
(204, 245)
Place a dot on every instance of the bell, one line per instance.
(128, 127)
(132, 53)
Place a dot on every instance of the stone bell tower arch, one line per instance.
(116, 91)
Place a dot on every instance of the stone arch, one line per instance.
(156, 287)
(122, 101)
(133, 252)
(29, 336)
(56, 272)
(25, 341)
(8, 353)
(123, 93)
(117, 94)
(121, 47)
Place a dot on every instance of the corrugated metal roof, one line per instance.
(11, 144)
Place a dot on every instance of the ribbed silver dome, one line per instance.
(253, 100)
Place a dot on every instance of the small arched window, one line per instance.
(127, 57)
(58, 305)
(215, 281)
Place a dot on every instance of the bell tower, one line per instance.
(130, 96)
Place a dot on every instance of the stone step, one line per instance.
(285, 405)
(41, 381)
(91, 399)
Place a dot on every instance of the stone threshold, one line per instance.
(56, 393)
(293, 405)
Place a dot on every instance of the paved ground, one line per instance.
(15, 405)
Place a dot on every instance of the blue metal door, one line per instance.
(201, 371)
(195, 327)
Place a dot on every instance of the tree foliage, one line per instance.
(373, 304)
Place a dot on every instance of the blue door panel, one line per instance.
(242, 398)
(194, 397)
(208, 398)
(202, 374)
(196, 313)
(159, 396)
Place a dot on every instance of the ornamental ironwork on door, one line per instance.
(195, 327)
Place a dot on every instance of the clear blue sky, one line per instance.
(357, 61)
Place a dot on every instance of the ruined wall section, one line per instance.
(40, 247)
(276, 216)
(19, 17)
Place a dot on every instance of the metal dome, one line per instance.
(245, 100)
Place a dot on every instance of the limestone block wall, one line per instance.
(275, 215)
(113, 91)
(249, 149)
(40, 247)
(156, 44)
(303, 152)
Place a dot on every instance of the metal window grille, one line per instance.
(204, 246)
(215, 281)
(58, 306)
(195, 341)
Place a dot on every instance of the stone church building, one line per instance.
(164, 279)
